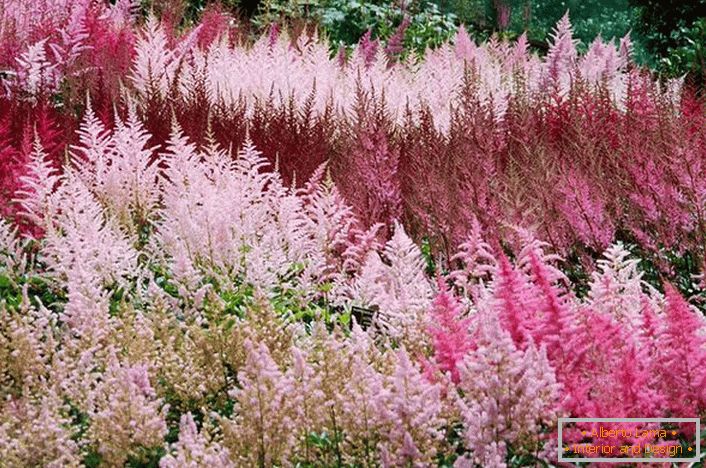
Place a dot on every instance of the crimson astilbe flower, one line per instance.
(368, 48)
(373, 160)
(585, 211)
(495, 418)
(395, 44)
(195, 448)
(450, 332)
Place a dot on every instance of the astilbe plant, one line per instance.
(172, 300)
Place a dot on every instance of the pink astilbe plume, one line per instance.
(397, 286)
(125, 413)
(450, 332)
(38, 185)
(561, 56)
(261, 430)
(477, 260)
(683, 356)
(410, 409)
(495, 418)
(195, 449)
(517, 302)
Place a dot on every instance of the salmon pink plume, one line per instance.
(450, 331)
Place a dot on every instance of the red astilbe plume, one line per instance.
(450, 332)
(294, 137)
(683, 356)
(368, 170)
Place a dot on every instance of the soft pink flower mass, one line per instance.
(188, 235)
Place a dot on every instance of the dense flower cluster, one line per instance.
(578, 148)
(188, 308)
(222, 253)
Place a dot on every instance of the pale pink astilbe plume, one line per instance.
(617, 287)
(463, 45)
(195, 449)
(561, 57)
(35, 73)
(357, 402)
(495, 417)
(154, 64)
(37, 432)
(261, 430)
(126, 414)
(83, 234)
(234, 219)
(476, 259)
(128, 186)
(123, 11)
(339, 237)
(12, 258)
(450, 332)
(91, 157)
(683, 358)
(398, 286)
(35, 194)
(411, 411)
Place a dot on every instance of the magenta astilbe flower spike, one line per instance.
(683, 359)
(450, 331)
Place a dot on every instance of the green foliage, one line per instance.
(674, 32)
(345, 21)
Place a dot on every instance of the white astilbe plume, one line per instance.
(233, 220)
(91, 157)
(154, 65)
(10, 250)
